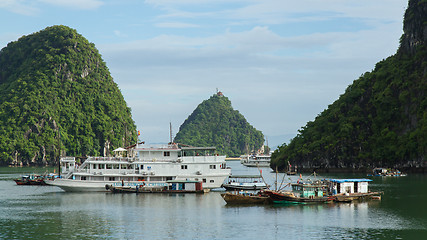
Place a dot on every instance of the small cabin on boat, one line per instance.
(185, 185)
(338, 186)
(307, 190)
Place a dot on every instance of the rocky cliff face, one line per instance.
(414, 26)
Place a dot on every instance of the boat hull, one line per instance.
(148, 190)
(70, 185)
(230, 198)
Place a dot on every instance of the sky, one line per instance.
(280, 62)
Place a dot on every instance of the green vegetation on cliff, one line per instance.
(380, 120)
(57, 95)
(215, 123)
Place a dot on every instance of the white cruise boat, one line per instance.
(255, 160)
(151, 166)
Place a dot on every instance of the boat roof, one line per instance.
(350, 180)
(182, 181)
(244, 176)
(198, 148)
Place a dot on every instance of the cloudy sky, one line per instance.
(280, 62)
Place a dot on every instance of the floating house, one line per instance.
(349, 186)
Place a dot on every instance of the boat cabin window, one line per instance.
(115, 166)
(101, 166)
(112, 178)
(212, 166)
(130, 166)
(109, 166)
(166, 154)
(95, 166)
(184, 167)
(141, 166)
(212, 181)
(83, 178)
(204, 180)
(124, 166)
(169, 178)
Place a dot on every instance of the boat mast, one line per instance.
(170, 131)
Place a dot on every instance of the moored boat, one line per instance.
(255, 160)
(30, 180)
(385, 172)
(153, 165)
(245, 198)
(301, 193)
(348, 190)
(244, 182)
(174, 186)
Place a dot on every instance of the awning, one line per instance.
(119, 150)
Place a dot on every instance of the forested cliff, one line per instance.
(215, 123)
(57, 97)
(380, 120)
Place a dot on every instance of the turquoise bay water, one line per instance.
(46, 212)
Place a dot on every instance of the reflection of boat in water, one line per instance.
(153, 165)
(174, 186)
(244, 182)
(255, 160)
(31, 180)
(384, 172)
(245, 198)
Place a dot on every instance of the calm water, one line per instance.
(45, 212)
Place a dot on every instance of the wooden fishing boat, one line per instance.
(290, 197)
(245, 198)
(30, 180)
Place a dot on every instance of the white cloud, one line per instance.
(21, 7)
(176, 25)
(78, 4)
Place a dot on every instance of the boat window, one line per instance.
(141, 166)
(204, 180)
(109, 166)
(212, 166)
(115, 166)
(101, 166)
(169, 178)
(130, 166)
(83, 178)
(166, 154)
(111, 178)
(184, 167)
(212, 181)
(95, 166)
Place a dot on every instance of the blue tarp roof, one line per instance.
(350, 180)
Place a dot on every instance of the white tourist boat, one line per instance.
(150, 166)
(255, 160)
